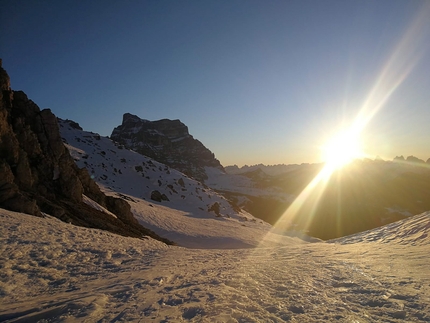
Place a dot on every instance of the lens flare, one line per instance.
(346, 146)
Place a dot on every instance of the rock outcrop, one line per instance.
(38, 175)
(168, 142)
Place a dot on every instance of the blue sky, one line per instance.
(255, 81)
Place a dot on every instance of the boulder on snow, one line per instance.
(181, 182)
(158, 197)
(215, 208)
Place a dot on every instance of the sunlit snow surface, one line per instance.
(52, 271)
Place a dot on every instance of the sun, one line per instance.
(342, 149)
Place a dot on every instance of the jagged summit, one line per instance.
(167, 141)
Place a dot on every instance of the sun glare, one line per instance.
(342, 149)
(346, 145)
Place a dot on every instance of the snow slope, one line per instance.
(193, 216)
(413, 231)
(52, 271)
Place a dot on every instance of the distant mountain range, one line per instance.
(267, 169)
(282, 168)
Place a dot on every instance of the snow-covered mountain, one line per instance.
(158, 193)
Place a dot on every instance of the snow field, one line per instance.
(50, 250)
(56, 272)
(207, 232)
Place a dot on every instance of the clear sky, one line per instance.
(255, 81)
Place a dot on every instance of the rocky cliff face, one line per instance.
(168, 142)
(37, 173)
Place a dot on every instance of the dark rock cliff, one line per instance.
(38, 175)
(168, 142)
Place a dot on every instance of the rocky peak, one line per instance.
(38, 175)
(167, 141)
(132, 125)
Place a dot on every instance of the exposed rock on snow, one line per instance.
(157, 196)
